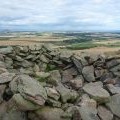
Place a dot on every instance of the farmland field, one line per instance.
(75, 42)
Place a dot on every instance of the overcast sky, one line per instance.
(50, 15)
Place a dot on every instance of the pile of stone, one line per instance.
(40, 83)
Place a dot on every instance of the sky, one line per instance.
(60, 15)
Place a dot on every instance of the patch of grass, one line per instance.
(81, 46)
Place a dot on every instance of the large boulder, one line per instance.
(29, 88)
(96, 91)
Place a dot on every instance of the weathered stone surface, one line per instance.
(104, 113)
(3, 70)
(6, 50)
(88, 109)
(55, 77)
(23, 104)
(2, 89)
(44, 59)
(68, 74)
(48, 113)
(29, 88)
(77, 83)
(96, 91)
(114, 104)
(78, 64)
(88, 73)
(14, 115)
(66, 94)
(2, 64)
(113, 89)
(42, 76)
(61, 86)
(53, 103)
(113, 62)
(52, 93)
(6, 77)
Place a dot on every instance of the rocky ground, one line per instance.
(40, 83)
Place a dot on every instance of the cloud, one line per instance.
(60, 14)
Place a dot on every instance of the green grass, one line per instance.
(80, 46)
(88, 45)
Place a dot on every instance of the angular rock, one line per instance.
(2, 89)
(14, 115)
(6, 50)
(52, 93)
(78, 64)
(6, 77)
(26, 64)
(53, 103)
(96, 91)
(68, 74)
(55, 77)
(42, 76)
(66, 94)
(44, 59)
(112, 63)
(29, 88)
(104, 113)
(87, 109)
(77, 83)
(23, 104)
(88, 73)
(113, 89)
(48, 113)
(114, 104)
(3, 70)
(2, 64)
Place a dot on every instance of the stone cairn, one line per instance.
(40, 83)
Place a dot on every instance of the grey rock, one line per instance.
(3, 70)
(6, 77)
(114, 104)
(77, 82)
(14, 115)
(113, 89)
(87, 109)
(48, 113)
(29, 88)
(104, 113)
(88, 73)
(53, 103)
(2, 89)
(112, 63)
(78, 64)
(26, 64)
(66, 94)
(44, 59)
(23, 104)
(52, 93)
(7, 50)
(55, 77)
(96, 91)
(68, 74)
(42, 76)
